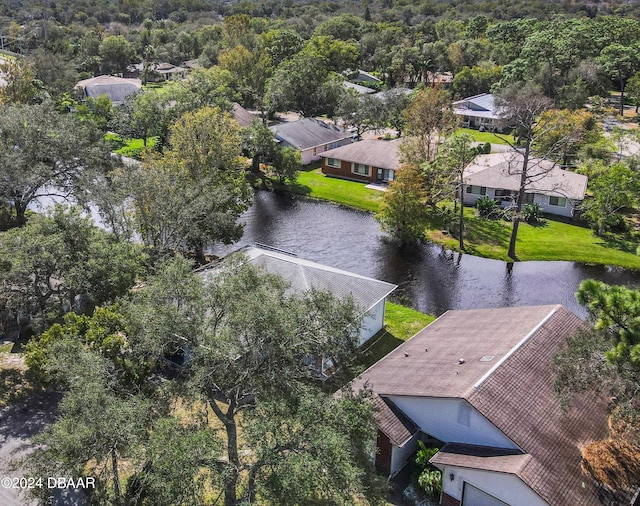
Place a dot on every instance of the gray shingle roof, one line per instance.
(303, 275)
(373, 152)
(116, 88)
(358, 88)
(503, 170)
(481, 106)
(308, 133)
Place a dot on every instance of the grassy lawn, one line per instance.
(483, 136)
(401, 323)
(315, 184)
(553, 240)
(130, 147)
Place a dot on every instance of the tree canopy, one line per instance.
(250, 349)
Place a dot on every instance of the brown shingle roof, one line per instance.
(373, 152)
(427, 365)
(242, 116)
(513, 390)
(391, 420)
(518, 398)
(502, 460)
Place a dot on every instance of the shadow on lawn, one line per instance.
(623, 242)
(493, 232)
(383, 344)
(298, 188)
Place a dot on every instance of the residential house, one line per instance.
(391, 94)
(358, 88)
(157, 72)
(478, 385)
(360, 76)
(367, 161)
(498, 176)
(167, 71)
(311, 137)
(242, 116)
(117, 89)
(481, 112)
(302, 275)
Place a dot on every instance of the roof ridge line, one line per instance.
(516, 347)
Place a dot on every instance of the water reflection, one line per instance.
(429, 278)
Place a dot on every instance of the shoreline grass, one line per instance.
(349, 193)
(555, 240)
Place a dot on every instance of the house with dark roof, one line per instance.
(481, 112)
(302, 275)
(358, 88)
(117, 89)
(480, 383)
(311, 137)
(242, 116)
(498, 175)
(369, 161)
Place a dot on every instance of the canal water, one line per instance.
(429, 278)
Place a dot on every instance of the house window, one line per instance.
(528, 198)
(558, 201)
(477, 190)
(361, 169)
(315, 151)
(333, 162)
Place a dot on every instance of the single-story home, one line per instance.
(481, 112)
(302, 275)
(358, 88)
(497, 176)
(158, 72)
(361, 76)
(117, 89)
(368, 161)
(393, 93)
(478, 385)
(311, 137)
(242, 116)
(167, 71)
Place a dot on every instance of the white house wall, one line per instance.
(372, 322)
(470, 199)
(440, 418)
(506, 487)
(400, 454)
(307, 156)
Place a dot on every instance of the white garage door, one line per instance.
(473, 496)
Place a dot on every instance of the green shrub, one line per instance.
(486, 206)
(532, 213)
(429, 479)
(486, 148)
(431, 483)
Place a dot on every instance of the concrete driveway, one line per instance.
(18, 423)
